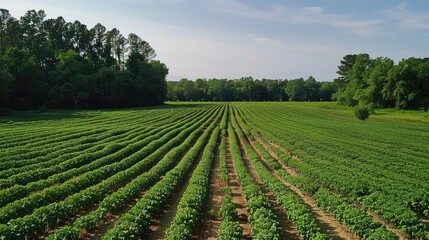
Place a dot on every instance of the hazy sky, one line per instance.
(259, 38)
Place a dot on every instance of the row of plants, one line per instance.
(35, 156)
(52, 166)
(359, 170)
(101, 159)
(117, 200)
(137, 221)
(48, 217)
(66, 153)
(25, 147)
(355, 218)
(191, 205)
(230, 228)
(29, 152)
(296, 210)
(122, 160)
(263, 221)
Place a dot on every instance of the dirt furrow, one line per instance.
(289, 170)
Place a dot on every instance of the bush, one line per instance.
(361, 112)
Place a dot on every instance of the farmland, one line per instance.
(215, 170)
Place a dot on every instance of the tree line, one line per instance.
(380, 83)
(58, 64)
(249, 89)
(51, 63)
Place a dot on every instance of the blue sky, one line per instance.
(264, 39)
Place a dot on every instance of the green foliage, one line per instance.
(66, 65)
(248, 89)
(230, 231)
(379, 82)
(361, 112)
(375, 170)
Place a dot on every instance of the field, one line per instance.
(215, 170)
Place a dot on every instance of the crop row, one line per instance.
(137, 221)
(297, 211)
(193, 199)
(355, 218)
(117, 200)
(263, 221)
(102, 159)
(353, 171)
(48, 217)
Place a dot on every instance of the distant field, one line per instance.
(274, 170)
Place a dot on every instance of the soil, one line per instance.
(289, 170)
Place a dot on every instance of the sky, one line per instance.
(260, 38)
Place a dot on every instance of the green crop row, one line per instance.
(118, 199)
(99, 161)
(193, 199)
(48, 217)
(263, 221)
(296, 210)
(357, 161)
(230, 228)
(137, 221)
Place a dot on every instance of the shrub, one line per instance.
(361, 112)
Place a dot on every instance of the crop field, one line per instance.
(215, 171)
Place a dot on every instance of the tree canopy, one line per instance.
(59, 64)
(249, 89)
(381, 83)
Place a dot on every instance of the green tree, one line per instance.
(350, 91)
(4, 18)
(6, 81)
(327, 90)
(408, 83)
(295, 89)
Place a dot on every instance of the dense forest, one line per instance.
(57, 64)
(249, 89)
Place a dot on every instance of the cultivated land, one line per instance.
(215, 170)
